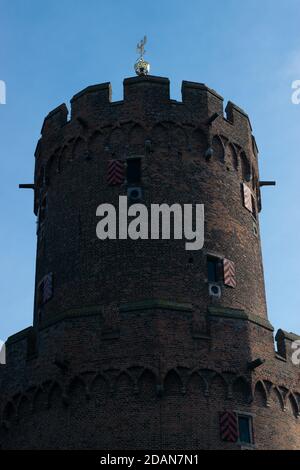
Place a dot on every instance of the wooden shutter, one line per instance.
(115, 172)
(247, 197)
(229, 273)
(47, 287)
(228, 426)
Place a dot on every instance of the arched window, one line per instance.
(231, 156)
(218, 149)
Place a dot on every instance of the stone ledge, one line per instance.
(72, 313)
(125, 307)
(241, 315)
(156, 304)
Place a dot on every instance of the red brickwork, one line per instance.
(130, 351)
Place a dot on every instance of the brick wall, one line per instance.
(131, 351)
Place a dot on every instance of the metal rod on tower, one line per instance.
(26, 186)
(267, 183)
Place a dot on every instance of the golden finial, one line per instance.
(141, 67)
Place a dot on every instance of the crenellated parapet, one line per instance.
(148, 117)
(199, 103)
(93, 107)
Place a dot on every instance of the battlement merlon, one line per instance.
(91, 100)
(55, 120)
(156, 89)
(238, 117)
(284, 342)
(201, 98)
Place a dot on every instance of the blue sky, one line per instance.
(248, 51)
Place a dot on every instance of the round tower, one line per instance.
(142, 343)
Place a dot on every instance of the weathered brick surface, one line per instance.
(131, 352)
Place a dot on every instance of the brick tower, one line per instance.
(140, 343)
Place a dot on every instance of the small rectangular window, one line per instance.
(214, 269)
(245, 429)
(134, 170)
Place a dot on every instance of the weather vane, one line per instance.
(141, 67)
(141, 46)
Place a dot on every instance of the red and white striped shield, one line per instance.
(229, 273)
(228, 426)
(247, 197)
(115, 172)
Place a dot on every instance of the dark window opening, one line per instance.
(253, 207)
(133, 173)
(214, 269)
(245, 429)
